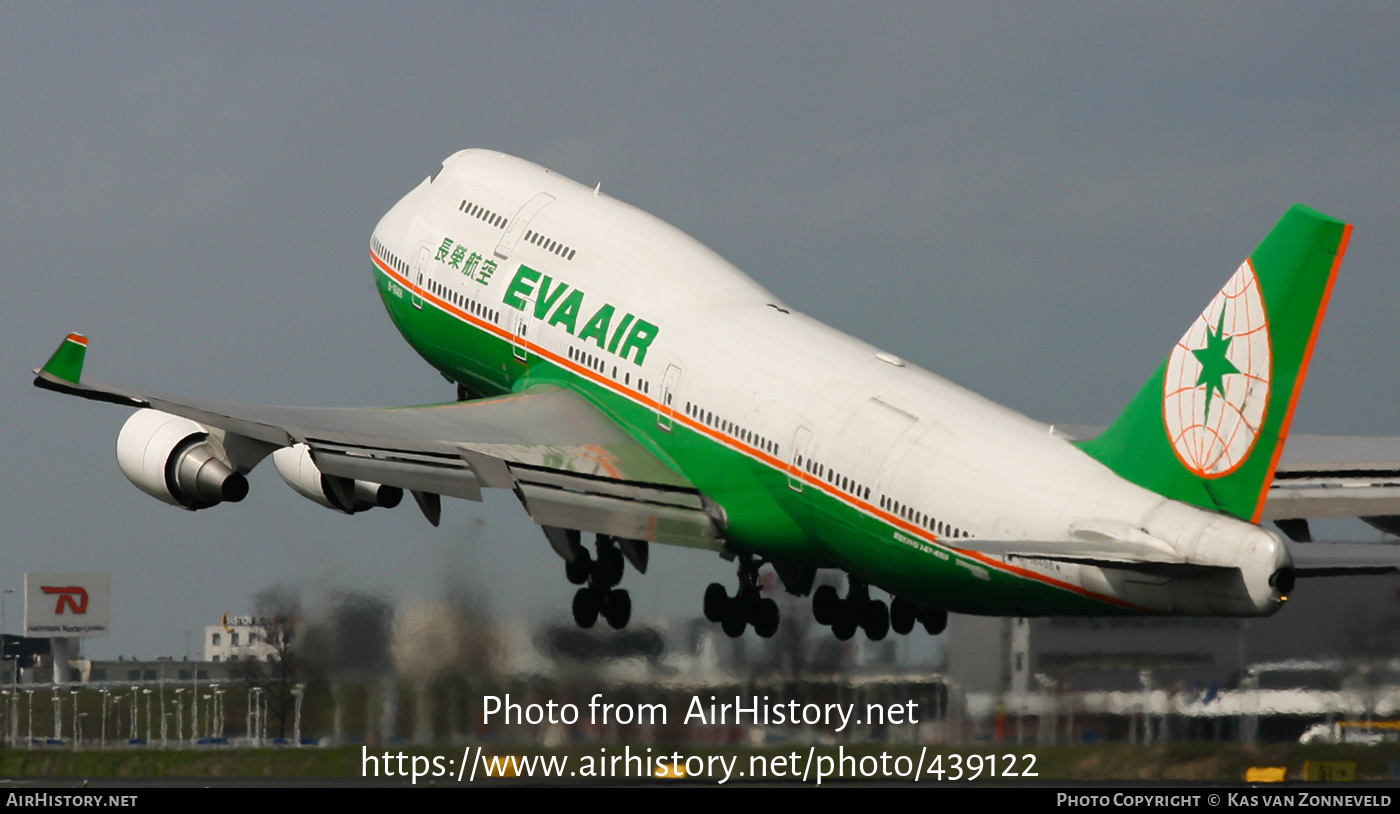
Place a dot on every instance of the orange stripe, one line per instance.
(78, 339)
(1023, 572)
(1302, 374)
(724, 440)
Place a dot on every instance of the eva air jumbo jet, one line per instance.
(606, 373)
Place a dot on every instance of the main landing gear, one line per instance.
(599, 595)
(903, 615)
(746, 607)
(858, 610)
(855, 610)
(599, 575)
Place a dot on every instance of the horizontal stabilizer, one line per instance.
(1343, 559)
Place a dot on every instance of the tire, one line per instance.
(617, 608)
(716, 602)
(844, 629)
(608, 571)
(903, 615)
(585, 608)
(875, 619)
(578, 570)
(734, 620)
(826, 605)
(765, 618)
(935, 621)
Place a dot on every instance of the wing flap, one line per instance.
(629, 519)
(421, 473)
(625, 490)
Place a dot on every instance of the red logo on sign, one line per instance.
(65, 597)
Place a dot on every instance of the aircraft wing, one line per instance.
(571, 465)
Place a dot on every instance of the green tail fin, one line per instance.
(67, 362)
(1209, 426)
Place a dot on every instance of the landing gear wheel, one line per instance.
(826, 605)
(716, 601)
(844, 629)
(903, 615)
(617, 608)
(608, 571)
(578, 570)
(935, 621)
(875, 620)
(734, 620)
(765, 618)
(585, 608)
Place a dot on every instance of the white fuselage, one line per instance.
(916, 451)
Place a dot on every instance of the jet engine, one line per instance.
(171, 459)
(295, 466)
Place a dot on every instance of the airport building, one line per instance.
(241, 638)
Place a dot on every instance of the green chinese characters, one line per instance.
(472, 265)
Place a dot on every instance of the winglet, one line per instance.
(67, 362)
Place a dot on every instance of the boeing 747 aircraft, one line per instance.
(628, 384)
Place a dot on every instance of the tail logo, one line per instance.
(1217, 382)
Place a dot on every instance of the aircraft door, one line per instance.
(866, 440)
(801, 444)
(666, 411)
(420, 271)
(522, 321)
(518, 224)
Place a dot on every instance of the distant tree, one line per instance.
(277, 617)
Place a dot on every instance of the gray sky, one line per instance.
(1032, 201)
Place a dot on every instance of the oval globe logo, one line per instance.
(1217, 382)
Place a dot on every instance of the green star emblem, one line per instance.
(1215, 365)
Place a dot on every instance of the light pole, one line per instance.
(297, 692)
(77, 721)
(106, 701)
(217, 730)
(147, 693)
(57, 715)
(179, 714)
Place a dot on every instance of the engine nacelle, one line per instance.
(170, 458)
(295, 466)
